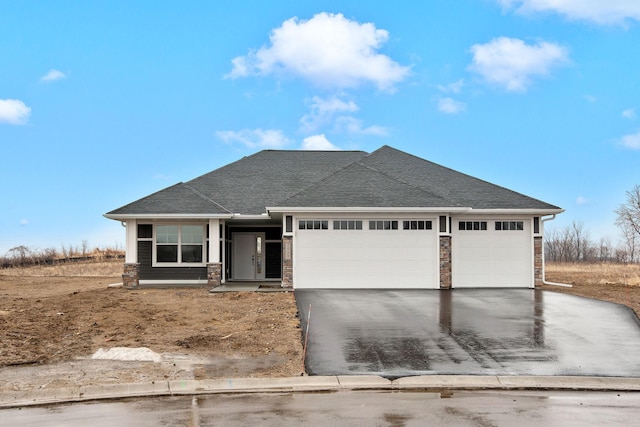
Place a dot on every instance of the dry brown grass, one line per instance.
(107, 267)
(594, 273)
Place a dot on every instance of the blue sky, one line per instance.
(104, 102)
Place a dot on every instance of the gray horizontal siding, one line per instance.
(147, 272)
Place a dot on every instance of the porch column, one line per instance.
(214, 266)
(131, 273)
(131, 248)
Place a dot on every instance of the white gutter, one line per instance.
(368, 209)
(544, 281)
(553, 212)
(125, 217)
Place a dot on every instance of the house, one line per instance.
(336, 219)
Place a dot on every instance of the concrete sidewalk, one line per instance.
(433, 383)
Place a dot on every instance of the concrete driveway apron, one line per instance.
(396, 333)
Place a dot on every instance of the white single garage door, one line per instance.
(364, 257)
(492, 253)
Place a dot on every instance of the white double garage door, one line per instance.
(410, 258)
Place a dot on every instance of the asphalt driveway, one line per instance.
(396, 333)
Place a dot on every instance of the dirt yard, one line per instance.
(619, 283)
(61, 322)
(53, 319)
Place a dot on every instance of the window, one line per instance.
(347, 225)
(313, 225)
(417, 225)
(180, 244)
(509, 225)
(383, 225)
(472, 225)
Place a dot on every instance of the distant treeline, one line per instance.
(573, 244)
(23, 256)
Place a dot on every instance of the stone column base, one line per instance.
(537, 261)
(445, 262)
(131, 275)
(287, 261)
(214, 274)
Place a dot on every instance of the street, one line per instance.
(459, 408)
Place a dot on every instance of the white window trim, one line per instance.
(154, 254)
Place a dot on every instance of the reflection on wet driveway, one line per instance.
(467, 331)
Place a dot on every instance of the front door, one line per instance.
(248, 258)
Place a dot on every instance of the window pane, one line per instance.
(358, 225)
(167, 253)
(167, 234)
(483, 225)
(192, 234)
(336, 225)
(352, 225)
(461, 225)
(394, 225)
(301, 225)
(405, 225)
(512, 225)
(191, 253)
(520, 225)
(324, 225)
(420, 225)
(428, 225)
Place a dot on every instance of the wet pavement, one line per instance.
(473, 409)
(395, 333)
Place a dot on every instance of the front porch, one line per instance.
(248, 253)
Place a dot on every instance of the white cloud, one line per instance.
(318, 142)
(24, 222)
(512, 63)
(631, 141)
(14, 112)
(455, 87)
(603, 12)
(629, 113)
(581, 200)
(323, 112)
(451, 106)
(328, 50)
(352, 125)
(53, 75)
(255, 138)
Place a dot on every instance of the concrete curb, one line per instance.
(433, 383)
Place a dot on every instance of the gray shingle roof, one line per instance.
(461, 189)
(273, 178)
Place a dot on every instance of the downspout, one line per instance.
(544, 280)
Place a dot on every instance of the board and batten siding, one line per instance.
(148, 272)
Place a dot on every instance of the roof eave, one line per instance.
(527, 211)
(339, 209)
(124, 217)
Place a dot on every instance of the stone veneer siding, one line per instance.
(287, 261)
(131, 275)
(537, 261)
(445, 262)
(214, 274)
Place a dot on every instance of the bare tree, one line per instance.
(628, 219)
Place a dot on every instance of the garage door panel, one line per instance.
(365, 259)
(492, 258)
